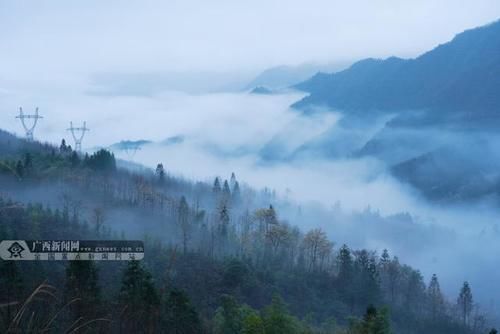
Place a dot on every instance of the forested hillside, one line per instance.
(218, 259)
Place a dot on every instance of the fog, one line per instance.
(156, 70)
(356, 200)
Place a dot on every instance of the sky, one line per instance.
(49, 40)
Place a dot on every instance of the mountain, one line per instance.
(129, 144)
(462, 76)
(450, 175)
(432, 120)
(261, 90)
(286, 76)
(227, 274)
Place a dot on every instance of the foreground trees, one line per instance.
(138, 299)
(221, 259)
(82, 289)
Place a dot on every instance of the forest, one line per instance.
(218, 259)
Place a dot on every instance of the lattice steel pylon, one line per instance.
(78, 133)
(131, 150)
(29, 129)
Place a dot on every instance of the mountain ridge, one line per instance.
(460, 75)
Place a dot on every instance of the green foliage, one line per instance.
(228, 317)
(82, 284)
(102, 160)
(252, 323)
(178, 315)
(236, 256)
(373, 322)
(277, 320)
(139, 300)
(11, 289)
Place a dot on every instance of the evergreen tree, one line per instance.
(11, 288)
(223, 221)
(19, 169)
(228, 319)
(139, 299)
(179, 317)
(366, 278)
(63, 148)
(82, 284)
(277, 320)
(345, 275)
(385, 258)
(226, 192)
(74, 159)
(232, 181)
(160, 173)
(374, 322)
(102, 161)
(28, 162)
(464, 303)
(184, 223)
(415, 292)
(216, 189)
(236, 193)
(252, 324)
(436, 300)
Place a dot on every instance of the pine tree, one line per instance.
(28, 162)
(366, 279)
(252, 324)
(82, 284)
(277, 320)
(11, 287)
(63, 148)
(226, 192)
(223, 221)
(184, 223)
(385, 258)
(374, 322)
(464, 302)
(139, 299)
(236, 193)
(436, 300)
(232, 181)
(228, 319)
(345, 275)
(160, 173)
(216, 189)
(179, 317)
(19, 169)
(74, 159)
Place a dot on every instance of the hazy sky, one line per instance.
(48, 38)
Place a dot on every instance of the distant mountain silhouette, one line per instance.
(449, 174)
(285, 76)
(261, 90)
(462, 75)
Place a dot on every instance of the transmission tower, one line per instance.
(29, 129)
(131, 150)
(78, 134)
